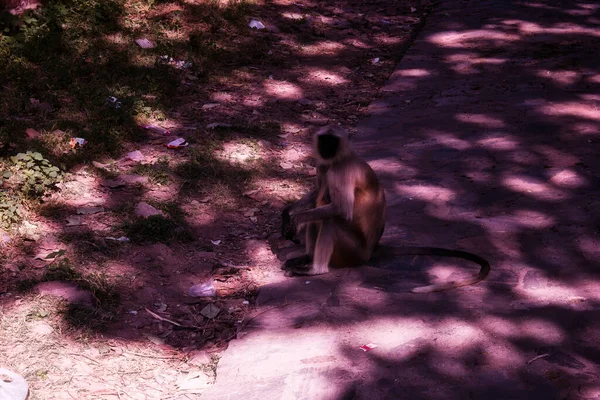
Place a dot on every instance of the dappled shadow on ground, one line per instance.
(485, 141)
(315, 62)
(485, 138)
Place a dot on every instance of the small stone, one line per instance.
(534, 279)
(42, 329)
(4, 238)
(32, 133)
(89, 210)
(265, 144)
(198, 358)
(210, 311)
(74, 220)
(131, 179)
(204, 289)
(135, 156)
(112, 183)
(68, 291)
(145, 210)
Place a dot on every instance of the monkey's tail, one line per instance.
(436, 251)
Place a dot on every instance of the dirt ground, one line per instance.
(129, 327)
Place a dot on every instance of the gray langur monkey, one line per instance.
(344, 216)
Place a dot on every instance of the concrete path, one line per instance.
(486, 138)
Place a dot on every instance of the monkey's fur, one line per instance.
(344, 216)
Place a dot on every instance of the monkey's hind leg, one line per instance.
(319, 244)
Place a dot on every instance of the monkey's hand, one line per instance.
(288, 226)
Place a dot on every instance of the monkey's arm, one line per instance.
(288, 226)
(307, 201)
(316, 214)
(342, 205)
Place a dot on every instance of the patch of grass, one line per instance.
(64, 270)
(10, 210)
(158, 172)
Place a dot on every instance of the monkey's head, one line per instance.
(331, 144)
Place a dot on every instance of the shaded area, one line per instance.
(485, 138)
(265, 90)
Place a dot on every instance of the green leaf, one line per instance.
(7, 174)
(37, 156)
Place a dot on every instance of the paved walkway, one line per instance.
(486, 138)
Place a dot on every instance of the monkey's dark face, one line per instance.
(328, 146)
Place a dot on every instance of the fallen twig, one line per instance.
(537, 358)
(150, 356)
(163, 318)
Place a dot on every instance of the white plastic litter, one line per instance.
(12, 386)
(177, 143)
(144, 43)
(254, 24)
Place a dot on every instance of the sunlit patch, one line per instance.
(175, 35)
(461, 57)
(427, 192)
(503, 354)
(459, 334)
(480, 119)
(447, 271)
(283, 90)
(542, 330)
(563, 78)
(572, 109)
(392, 166)
(324, 76)
(520, 219)
(490, 60)
(463, 38)
(415, 72)
(594, 78)
(323, 48)
(389, 332)
(357, 43)
(533, 219)
(590, 247)
(533, 187)
(293, 16)
(291, 128)
(294, 155)
(503, 143)
(563, 28)
(116, 38)
(450, 140)
(499, 326)
(222, 97)
(238, 153)
(253, 101)
(568, 178)
(386, 40)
